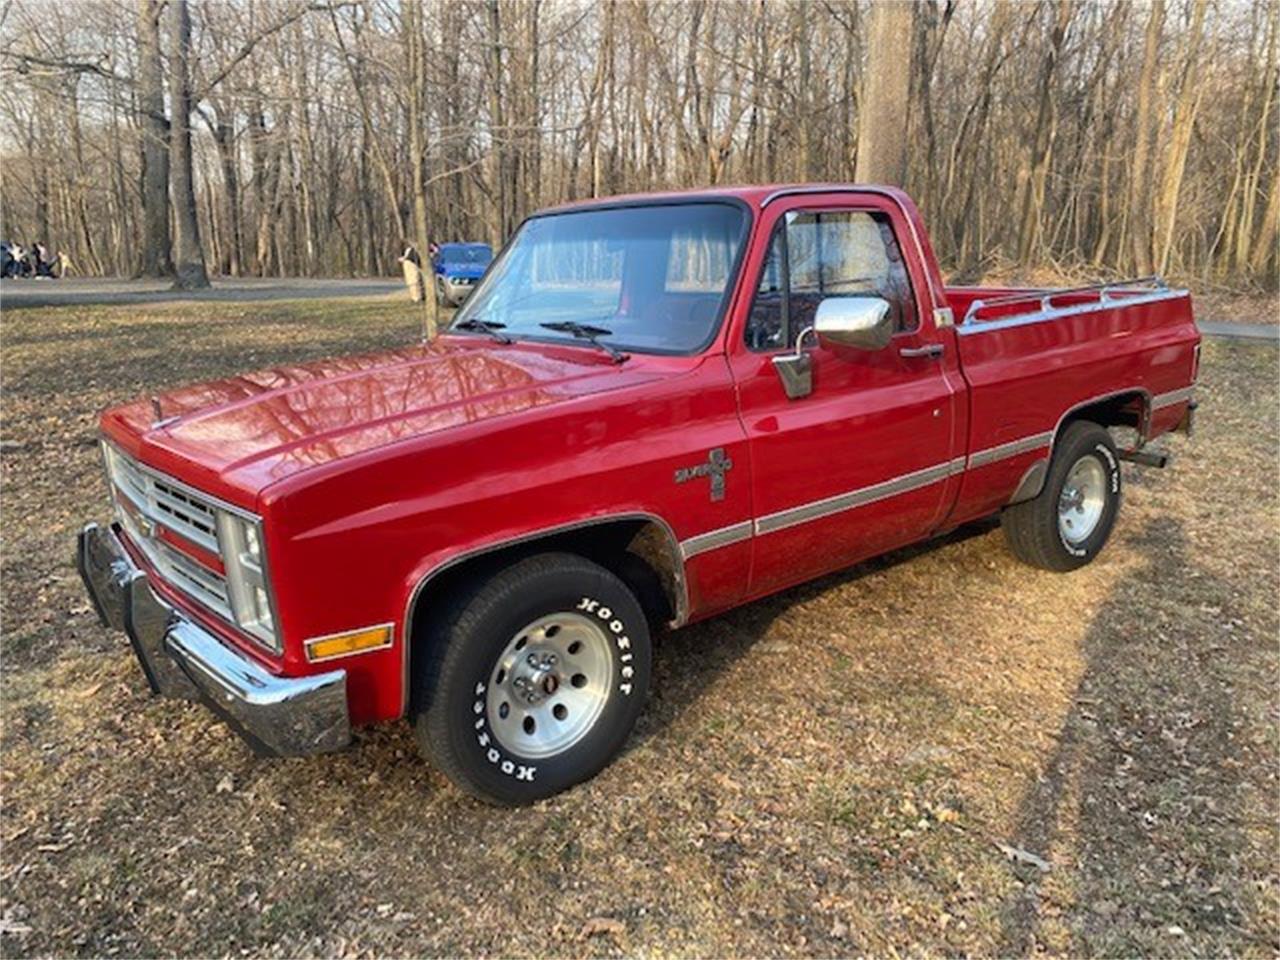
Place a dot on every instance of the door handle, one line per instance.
(933, 350)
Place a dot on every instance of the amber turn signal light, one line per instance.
(343, 644)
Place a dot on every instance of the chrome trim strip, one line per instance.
(817, 509)
(673, 545)
(715, 539)
(1161, 400)
(1013, 448)
(968, 326)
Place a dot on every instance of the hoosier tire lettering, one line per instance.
(491, 752)
(533, 678)
(590, 605)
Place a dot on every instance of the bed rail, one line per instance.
(1045, 304)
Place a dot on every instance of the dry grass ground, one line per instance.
(836, 770)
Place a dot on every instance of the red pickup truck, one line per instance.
(650, 410)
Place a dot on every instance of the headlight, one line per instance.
(247, 585)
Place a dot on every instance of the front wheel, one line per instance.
(1069, 522)
(533, 680)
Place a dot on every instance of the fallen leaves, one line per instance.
(1018, 855)
(850, 800)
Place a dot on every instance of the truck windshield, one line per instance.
(655, 277)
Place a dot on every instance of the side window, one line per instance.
(827, 254)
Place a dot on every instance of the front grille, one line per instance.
(145, 501)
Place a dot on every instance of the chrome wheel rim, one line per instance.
(1083, 498)
(550, 685)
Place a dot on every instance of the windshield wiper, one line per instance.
(491, 327)
(590, 333)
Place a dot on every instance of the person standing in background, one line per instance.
(411, 264)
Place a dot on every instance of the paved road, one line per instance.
(80, 292)
(1240, 331)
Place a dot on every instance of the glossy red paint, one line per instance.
(371, 473)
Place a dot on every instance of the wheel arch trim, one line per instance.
(671, 543)
(1033, 480)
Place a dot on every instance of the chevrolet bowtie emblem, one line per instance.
(716, 467)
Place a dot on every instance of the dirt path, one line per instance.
(873, 763)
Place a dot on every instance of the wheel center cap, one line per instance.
(539, 679)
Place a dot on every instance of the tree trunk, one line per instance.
(1139, 197)
(155, 145)
(1176, 156)
(497, 162)
(1042, 146)
(1268, 239)
(415, 54)
(882, 117)
(188, 257)
(224, 135)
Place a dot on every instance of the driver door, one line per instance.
(869, 459)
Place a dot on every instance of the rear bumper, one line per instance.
(278, 716)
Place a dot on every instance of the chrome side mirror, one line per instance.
(859, 322)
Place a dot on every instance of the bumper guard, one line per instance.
(278, 716)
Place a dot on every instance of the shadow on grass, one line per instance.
(1139, 805)
(688, 661)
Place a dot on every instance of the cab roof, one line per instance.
(754, 195)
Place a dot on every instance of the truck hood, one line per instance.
(243, 433)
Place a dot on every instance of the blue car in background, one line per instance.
(458, 268)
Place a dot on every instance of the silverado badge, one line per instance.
(716, 467)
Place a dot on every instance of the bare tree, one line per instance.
(154, 144)
(882, 120)
(1139, 210)
(188, 256)
(331, 130)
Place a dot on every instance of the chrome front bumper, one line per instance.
(456, 292)
(278, 716)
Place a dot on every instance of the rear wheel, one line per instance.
(1069, 522)
(533, 680)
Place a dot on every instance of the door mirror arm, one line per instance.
(795, 370)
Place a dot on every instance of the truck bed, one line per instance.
(1032, 356)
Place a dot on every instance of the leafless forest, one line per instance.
(300, 137)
